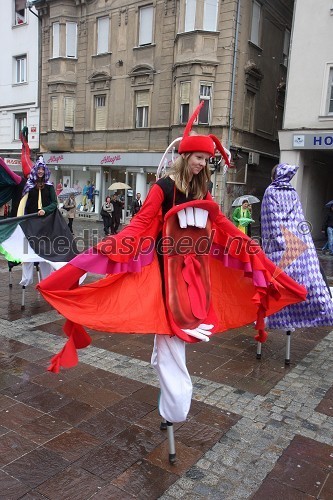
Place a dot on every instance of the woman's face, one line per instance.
(40, 172)
(197, 161)
(108, 199)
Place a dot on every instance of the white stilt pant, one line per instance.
(168, 359)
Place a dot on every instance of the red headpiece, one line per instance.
(203, 143)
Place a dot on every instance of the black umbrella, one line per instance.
(329, 204)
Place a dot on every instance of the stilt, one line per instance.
(168, 426)
(23, 298)
(38, 271)
(258, 350)
(288, 339)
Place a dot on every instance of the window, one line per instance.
(54, 113)
(286, 47)
(21, 69)
(330, 93)
(190, 9)
(20, 121)
(20, 12)
(100, 112)
(55, 40)
(71, 39)
(255, 25)
(69, 113)
(142, 109)
(103, 24)
(184, 101)
(205, 95)
(146, 25)
(248, 115)
(210, 15)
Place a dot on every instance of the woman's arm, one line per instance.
(54, 203)
(235, 216)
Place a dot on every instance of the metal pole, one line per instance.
(259, 350)
(10, 220)
(288, 339)
(168, 426)
(23, 298)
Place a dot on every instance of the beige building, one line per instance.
(120, 79)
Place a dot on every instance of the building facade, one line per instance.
(307, 136)
(19, 100)
(120, 79)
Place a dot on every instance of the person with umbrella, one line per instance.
(242, 217)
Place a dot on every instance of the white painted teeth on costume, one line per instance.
(190, 216)
(200, 217)
(182, 219)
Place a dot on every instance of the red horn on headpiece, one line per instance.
(219, 146)
(26, 161)
(192, 119)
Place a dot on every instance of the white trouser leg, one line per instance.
(27, 273)
(168, 359)
(45, 269)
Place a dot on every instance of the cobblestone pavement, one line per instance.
(257, 429)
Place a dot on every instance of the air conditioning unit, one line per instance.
(253, 158)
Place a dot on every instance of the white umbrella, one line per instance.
(66, 192)
(118, 185)
(249, 197)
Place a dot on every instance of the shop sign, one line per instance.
(110, 159)
(313, 141)
(55, 159)
(12, 161)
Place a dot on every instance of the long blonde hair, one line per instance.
(186, 182)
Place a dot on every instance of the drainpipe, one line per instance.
(232, 93)
(39, 90)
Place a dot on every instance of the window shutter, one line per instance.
(142, 99)
(71, 35)
(69, 112)
(56, 40)
(54, 113)
(146, 25)
(185, 92)
(100, 113)
(103, 24)
(20, 5)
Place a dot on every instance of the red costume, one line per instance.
(244, 285)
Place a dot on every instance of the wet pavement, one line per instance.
(257, 429)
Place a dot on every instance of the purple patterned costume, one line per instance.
(287, 241)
